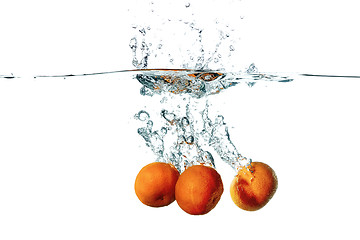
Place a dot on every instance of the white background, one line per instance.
(69, 151)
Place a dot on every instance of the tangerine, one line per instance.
(155, 184)
(198, 189)
(253, 186)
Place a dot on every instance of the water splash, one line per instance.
(195, 84)
(197, 45)
(217, 134)
(199, 84)
(193, 134)
(187, 140)
(176, 142)
(144, 51)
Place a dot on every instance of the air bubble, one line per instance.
(149, 124)
(190, 140)
(142, 115)
(185, 121)
(163, 130)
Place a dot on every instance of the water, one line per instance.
(188, 135)
(182, 140)
(177, 141)
(200, 83)
(193, 71)
(7, 76)
(180, 39)
(199, 64)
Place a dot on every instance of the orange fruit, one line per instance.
(253, 186)
(198, 189)
(155, 184)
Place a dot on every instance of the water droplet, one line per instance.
(133, 43)
(142, 31)
(187, 5)
(144, 46)
(252, 69)
(231, 47)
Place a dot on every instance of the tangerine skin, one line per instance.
(155, 184)
(252, 190)
(198, 189)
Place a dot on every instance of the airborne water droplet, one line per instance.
(252, 69)
(142, 31)
(133, 44)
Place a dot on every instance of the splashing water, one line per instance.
(218, 137)
(178, 134)
(199, 83)
(181, 41)
(187, 140)
(188, 135)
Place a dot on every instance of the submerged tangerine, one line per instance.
(254, 186)
(155, 184)
(198, 189)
